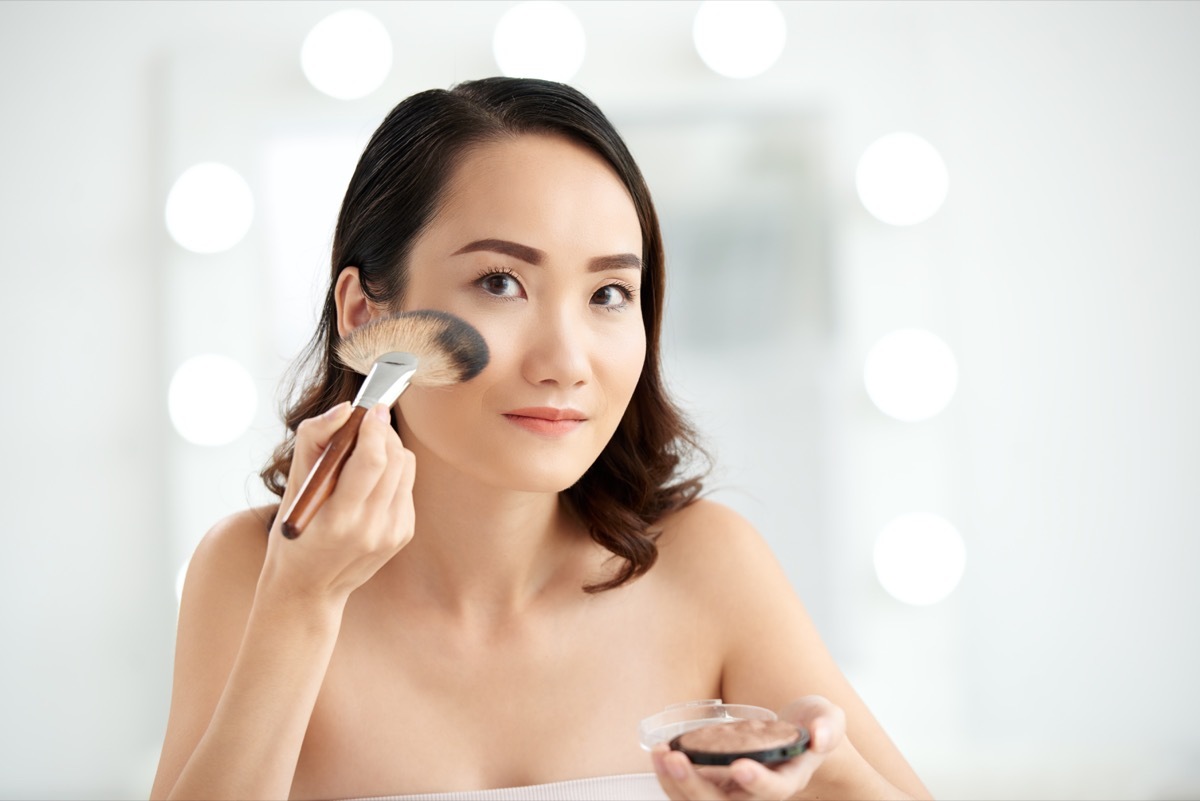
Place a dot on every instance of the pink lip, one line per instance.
(547, 413)
(546, 420)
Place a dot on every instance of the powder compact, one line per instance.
(713, 733)
(766, 741)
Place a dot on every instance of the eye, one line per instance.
(614, 296)
(500, 283)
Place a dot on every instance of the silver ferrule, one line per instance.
(389, 377)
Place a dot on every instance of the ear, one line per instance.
(353, 307)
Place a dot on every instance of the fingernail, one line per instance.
(676, 768)
(382, 413)
(820, 738)
(333, 411)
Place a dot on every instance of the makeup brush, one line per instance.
(426, 348)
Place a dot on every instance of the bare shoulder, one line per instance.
(233, 549)
(720, 562)
(248, 525)
(217, 596)
(705, 519)
(223, 575)
(706, 536)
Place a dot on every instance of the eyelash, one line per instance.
(628, 291)
(494, 271)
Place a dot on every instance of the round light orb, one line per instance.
(347, 55)
(209, 208)
(739, 38)
(910, 374)
(539, 39)
(919, 558)
(901, 179)
(211, 399)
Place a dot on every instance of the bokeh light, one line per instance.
(901, 179)
(347, 55)
(539, 39)
(910, 374)
(211, 399)
(739, 38)
(919, 558)
(210, 208)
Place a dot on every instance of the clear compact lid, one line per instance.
(679, 718)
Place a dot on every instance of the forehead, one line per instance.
(543, 188)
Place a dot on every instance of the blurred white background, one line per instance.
(1062, 271)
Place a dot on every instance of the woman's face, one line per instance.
(538, 246)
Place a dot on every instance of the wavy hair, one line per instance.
(648, 469)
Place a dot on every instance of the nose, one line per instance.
(557, 351)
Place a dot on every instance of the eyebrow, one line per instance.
(619, 261)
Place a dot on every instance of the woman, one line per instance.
(513, 572)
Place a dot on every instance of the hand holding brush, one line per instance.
(426, 348)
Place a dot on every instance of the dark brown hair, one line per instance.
(394, 194)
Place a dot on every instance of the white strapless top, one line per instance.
(626, 787)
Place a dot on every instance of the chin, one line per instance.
(538, 478)
(520, 466)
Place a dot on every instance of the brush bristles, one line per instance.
(448, 350)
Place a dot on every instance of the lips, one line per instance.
(546, 420)
(547, 413)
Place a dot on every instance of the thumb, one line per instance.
(312, 436)
(825, 722)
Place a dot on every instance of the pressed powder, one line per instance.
(766, 741)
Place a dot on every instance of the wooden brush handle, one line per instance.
(323, 476)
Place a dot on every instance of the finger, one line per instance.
(366, 464)
(826, 725)
(312, 437)
(401, 511)
(668, 773)
(782, 780)
(390, 503)
(314, 433)
(824, 721)
(759, 781)
(688, 781)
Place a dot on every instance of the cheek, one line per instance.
(434, 417)
(443, 416)
(624, 358)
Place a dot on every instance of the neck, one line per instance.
(484, 552)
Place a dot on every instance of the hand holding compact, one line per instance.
(751, 779)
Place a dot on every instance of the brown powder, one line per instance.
(739, 737)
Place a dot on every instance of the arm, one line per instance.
(775, 658)
(249, 663)
(260, 617)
